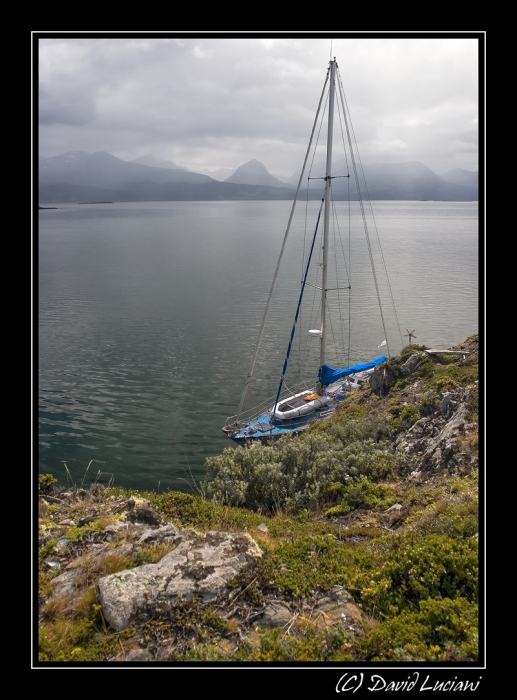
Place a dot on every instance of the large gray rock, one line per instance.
(199, 567)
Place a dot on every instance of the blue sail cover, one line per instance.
(328, 375)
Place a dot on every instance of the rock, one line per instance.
(337, 607)
(144, 515)
(52, 564)
(116, 530)
(439, 449)
(122, 529)
(65, 583)
(394, 516)
(395, 506)
(412, 363)
(66, 521)
(276, 614)
(167, 533)
(196, 568)
(262, 527)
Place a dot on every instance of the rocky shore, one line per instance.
(384, 560)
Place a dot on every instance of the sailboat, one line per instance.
(294, 411)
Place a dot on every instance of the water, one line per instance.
(149, 314)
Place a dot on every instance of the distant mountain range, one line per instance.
(80, 177)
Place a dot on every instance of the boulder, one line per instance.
(196, 568)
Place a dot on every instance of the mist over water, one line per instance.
(149, 314)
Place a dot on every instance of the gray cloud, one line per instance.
(211, 103)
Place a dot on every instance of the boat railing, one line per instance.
(237, 421)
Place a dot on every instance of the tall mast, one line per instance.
(328, 174)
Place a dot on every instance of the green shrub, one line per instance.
(292, 474)
(46, 482)
(306, 645)
(439, 630)
(403, 416)
(417, 567)
(363, 494)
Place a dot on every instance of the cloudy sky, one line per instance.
(208, 103)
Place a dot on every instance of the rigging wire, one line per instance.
(367, 235)
(349, 257)
(385, 269)
(338, 278)
(300, 363)
(261, 331)
(298, 309)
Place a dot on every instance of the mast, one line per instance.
(328, 175)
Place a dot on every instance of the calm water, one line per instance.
(149, 314)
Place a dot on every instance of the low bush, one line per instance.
(292, 474)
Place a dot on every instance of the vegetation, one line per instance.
(343, 505)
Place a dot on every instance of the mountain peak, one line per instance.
(253, 172)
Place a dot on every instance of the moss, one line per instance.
(300, 567)
(363, 494)
(152, 554)
(78, 534)
(403, 416)
(303, 645)
(451, 377)
(417, 567)
(439, 630)
(189, 510)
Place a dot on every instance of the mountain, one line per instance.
(104, 170)
(255, 173)
(461, 177)
(399, 181)
(77, 177)
(156, 163)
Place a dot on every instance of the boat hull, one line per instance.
(270, 426)
(265, 430)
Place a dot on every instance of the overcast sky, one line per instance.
(208, 103)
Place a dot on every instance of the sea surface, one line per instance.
(148, 316)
